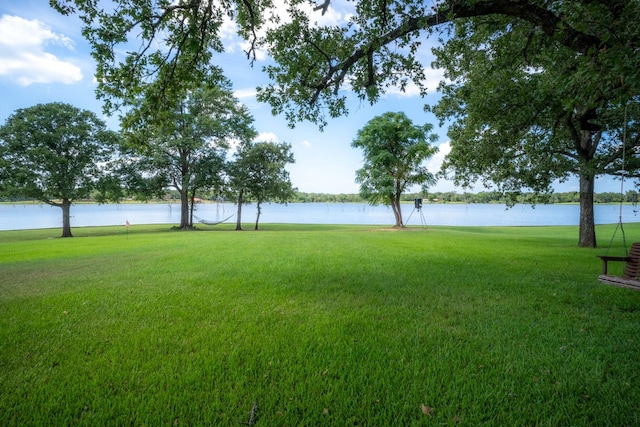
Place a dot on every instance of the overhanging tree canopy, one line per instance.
(520, 120)
(378, 47)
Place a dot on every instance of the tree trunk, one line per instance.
(192, 200)
(239, 215)
(587, 219)
(66, 218)
(184, 209)
(588, 144)
(397, 212)
(258, 216)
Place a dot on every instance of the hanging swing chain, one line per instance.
(623, 174)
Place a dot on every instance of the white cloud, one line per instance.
(267, 137)
(23, 55)
(332, 17)
(228, 29)
(306, 144)
(433, 77)
(245, 93)
(435, 162)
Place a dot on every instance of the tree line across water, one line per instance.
(480, 197)
(435, 197)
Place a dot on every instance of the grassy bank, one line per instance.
(318, 325)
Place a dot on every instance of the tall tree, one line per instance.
(185, 147)
(394, 154)
(259, 173)
(518, 123)
(55, 153)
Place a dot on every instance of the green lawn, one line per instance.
(318, 325)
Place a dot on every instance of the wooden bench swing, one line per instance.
(629, 278)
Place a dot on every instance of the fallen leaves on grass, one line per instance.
(426, 410)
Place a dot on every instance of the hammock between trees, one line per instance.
(206, 222)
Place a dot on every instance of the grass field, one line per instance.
(301, 325)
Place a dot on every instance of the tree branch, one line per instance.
(551, 24)
(251, 52)
(324, 6)
(336, 74)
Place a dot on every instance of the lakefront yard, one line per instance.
(315, 325)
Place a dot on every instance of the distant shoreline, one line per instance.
(211, 202)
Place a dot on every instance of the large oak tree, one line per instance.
(55, 153)
(184, 147)
(521, 119)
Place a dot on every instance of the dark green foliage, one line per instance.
(529, 110)
(184, 148)
(556, 75)
(57, 154)
(394, 154)
(258, 173)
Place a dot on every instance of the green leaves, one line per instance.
(152, 48)
(258, 172)
(394, 154)
(259, 169)
(534, 103)
(184, 147)
(54, 151)
(143, 45)
(521, 112)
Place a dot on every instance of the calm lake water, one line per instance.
(29, 216)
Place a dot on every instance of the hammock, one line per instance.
(206, 222)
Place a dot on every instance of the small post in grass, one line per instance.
(126, 226)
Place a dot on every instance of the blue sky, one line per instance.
(44, 58)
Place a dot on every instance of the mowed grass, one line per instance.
(315, 325)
